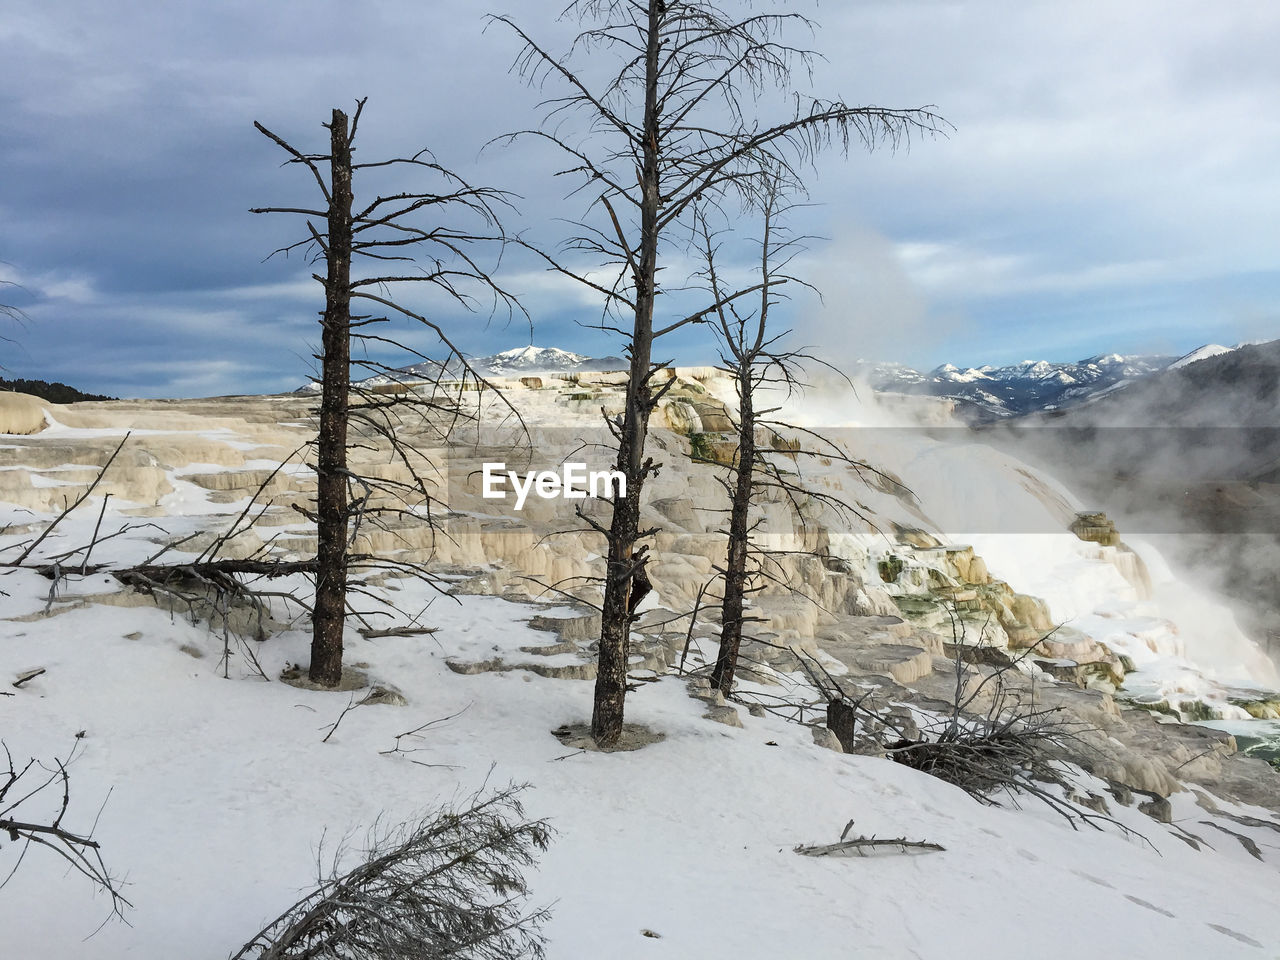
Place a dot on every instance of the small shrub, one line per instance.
(700, 446)
(447, 885)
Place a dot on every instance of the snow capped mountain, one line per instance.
(990, 393)
(523, 361)
(517, 362)
(982, 394)
(1200, 353)
(954, 374)
(987, 393)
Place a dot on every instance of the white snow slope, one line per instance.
(1200, 353)
(215, 795)
(218, 792)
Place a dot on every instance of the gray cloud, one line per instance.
(1111, 182)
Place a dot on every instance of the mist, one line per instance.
(871, 308)
(1187, 460)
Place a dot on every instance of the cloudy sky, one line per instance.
(1112, 182)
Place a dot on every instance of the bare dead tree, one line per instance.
(769, 453)
(389, 228)
(21, 789)
(749, 351)
(669, 130)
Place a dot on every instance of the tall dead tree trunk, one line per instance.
(751, 354)
(330, 610)
(747, 351)
(625, 561)
(735, 569)
(384, 230)
(670, 129)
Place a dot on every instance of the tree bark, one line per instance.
(615, 630)
(331, 458)
(842, 720)
(735, 573)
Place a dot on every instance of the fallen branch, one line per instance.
(369, 633)
(351, 705)
(866, 846)
(447, 885)
(416, 734)
(28, 675)
(80, 851)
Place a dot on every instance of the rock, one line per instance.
(1091, 801)
(551, 649)
(586, 627)
(1067, 671)
(903, 722)
(679, 511)
(1120, 793)
(726, 715)
(1142, 774)
(386, 695)
(713, 697)
(966, 565)
(866, 747)
(903, 663)
(756, 710)
(1261, 708)
(470, 668)
(825, 738)
(872, 601)
(353, 678)
(1158, 809)
(978, 653)
(483, 585)
(890, 568)
(919, 538)
(21, 413)
(568, 671)
(1095, 528)
(713, 416)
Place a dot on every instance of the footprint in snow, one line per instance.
(1098, 880)
(1150, 906)
(1235, 935)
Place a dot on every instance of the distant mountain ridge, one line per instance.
(53, 391)
(1193, 450)
(518, 362)
(988, 393)
(982, 394)
(531, 360)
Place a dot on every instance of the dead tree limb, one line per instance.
(18, 788)
(866, 846)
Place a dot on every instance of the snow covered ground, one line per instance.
(213, 797)
(219, 791)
